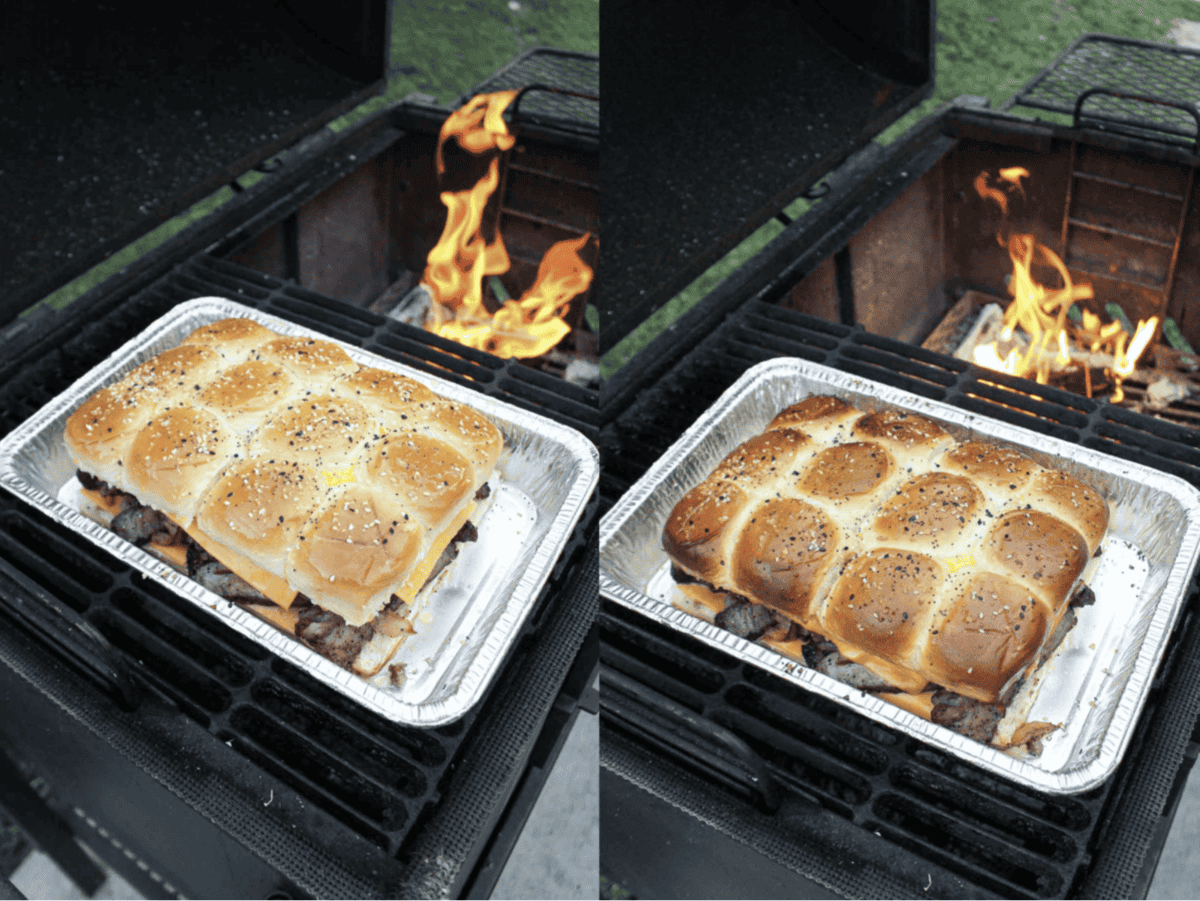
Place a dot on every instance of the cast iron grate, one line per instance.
(378, 778)
(999, 837)
(1122, 69)
(566, 70)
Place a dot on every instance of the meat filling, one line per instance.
(325, 632)
(975, 719)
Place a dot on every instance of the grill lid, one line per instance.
(119, 116)
(720, 114)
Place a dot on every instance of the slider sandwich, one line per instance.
(876, 548)
(324, 496)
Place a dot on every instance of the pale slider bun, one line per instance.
(291, 464)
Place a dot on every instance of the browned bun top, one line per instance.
(387, 389)
(763, 457)
(811, 409)
(908, 430)
(456, 424)
(308, 357)
(990, 631)
(695, 530)
(259, 506)
(359, 546)
(320, 430)
(936, 508)
(783, 553)
(249, 387)
(1074, 502)
(1040, 550)
(426, 474)
(1000, 468)
(881, 602)
(847, 470)
(231, 334)
(175, 457)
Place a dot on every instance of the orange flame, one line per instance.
(1041, 313)
(462, 258)
(478, 126)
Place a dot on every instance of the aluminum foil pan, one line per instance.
(1094, 685)
(546, 473)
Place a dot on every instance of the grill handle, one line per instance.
(686, 736)
(1190, 108)
(515, 107)
(71, 636)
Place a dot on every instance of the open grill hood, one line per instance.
(719, 114)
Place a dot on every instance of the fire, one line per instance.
(1041, 313)
(463, 258)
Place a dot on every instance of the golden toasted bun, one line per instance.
(922, 559)
(381, 388)
(307, 358)
(259, 507)
(354, 553)
(292, 461)
(175, 458)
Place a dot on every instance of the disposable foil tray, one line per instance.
(1095, 684)
(545, 475)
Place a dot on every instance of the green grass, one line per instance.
(450, 48)
(984, 48)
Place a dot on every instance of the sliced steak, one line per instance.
(966, 716)
(329, 635)
(143, 525)
(746, 620)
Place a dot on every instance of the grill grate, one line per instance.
(564, 70)
(1121, 66)
(997, 837)
(380, 779)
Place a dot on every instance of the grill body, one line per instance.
(797, 796)
(192, 759)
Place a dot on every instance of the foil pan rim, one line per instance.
(501, 634)
(1150, 652)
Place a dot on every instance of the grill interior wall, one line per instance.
(897, 276)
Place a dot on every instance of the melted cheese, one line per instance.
(275, 588)
(901, 677)
(421, 573)
(111, 507)
(919, 704)
(284, 619)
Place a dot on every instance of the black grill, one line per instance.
(375, 796)
(799, 774)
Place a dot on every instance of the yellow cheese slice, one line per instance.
(111, 507)
(284, 619)
(175, 554)
(268, 583)
(417, 579)
(899, 676)
(919, 704)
